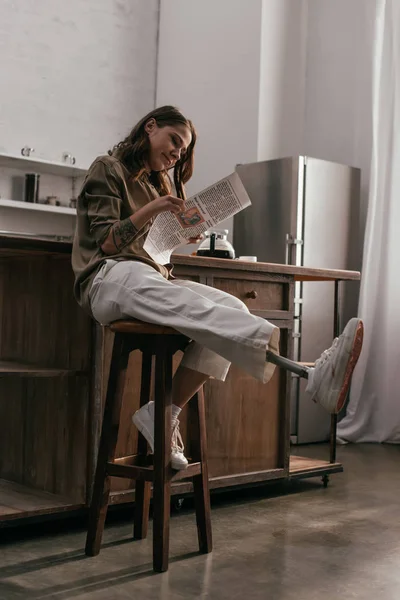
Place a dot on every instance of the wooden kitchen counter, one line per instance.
(53, 365)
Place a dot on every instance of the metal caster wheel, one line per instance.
(325, 480)
(177, 503)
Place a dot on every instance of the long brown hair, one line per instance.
(133, 151)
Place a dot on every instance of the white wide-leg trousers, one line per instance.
(220, 327)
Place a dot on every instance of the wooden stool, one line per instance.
(161, 342)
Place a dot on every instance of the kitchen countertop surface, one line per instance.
(62, 245)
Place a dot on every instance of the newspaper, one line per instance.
(202, 211)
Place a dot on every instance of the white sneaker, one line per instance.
(178, 459)
(144, 421)
(329, 380)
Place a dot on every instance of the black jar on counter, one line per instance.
(32, 187)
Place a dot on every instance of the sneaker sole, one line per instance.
(136, 420)
(353, 359)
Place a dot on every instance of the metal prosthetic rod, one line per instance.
(287, 364)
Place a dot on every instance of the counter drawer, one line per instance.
(257, 295)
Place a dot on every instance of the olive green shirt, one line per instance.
(109, 194)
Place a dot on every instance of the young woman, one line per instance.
(116, 279)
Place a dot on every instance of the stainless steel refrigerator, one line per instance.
(305, 211)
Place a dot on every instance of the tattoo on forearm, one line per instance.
(123, 233)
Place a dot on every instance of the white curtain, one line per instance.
(373, 413)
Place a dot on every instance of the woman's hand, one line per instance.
(167, 203)
(196, 240)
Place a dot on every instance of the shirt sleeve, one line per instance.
(103, 200)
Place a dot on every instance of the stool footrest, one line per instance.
(135, 460)
(147, 473)
(130, 472)
(192, 470)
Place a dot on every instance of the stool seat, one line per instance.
(134, 326)
(150, 473)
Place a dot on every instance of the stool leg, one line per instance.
(198, 446)
(162, 457)
(108, 443)
(143, 488)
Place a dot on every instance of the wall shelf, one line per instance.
(40, 165)
(63, 210)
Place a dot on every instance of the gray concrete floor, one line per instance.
(303, 543)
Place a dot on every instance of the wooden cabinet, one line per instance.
(45, 383)
(53, 368)
(247, 420)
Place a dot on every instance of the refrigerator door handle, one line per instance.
(291, 242)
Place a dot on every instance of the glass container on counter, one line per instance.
(216, 244)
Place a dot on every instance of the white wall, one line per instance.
(236, 69)
(338, 119)
(270, 78)
(260, 79)
(316, 82)
(282, 78)
(76, 75)
(338, 101)
(208, 65)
